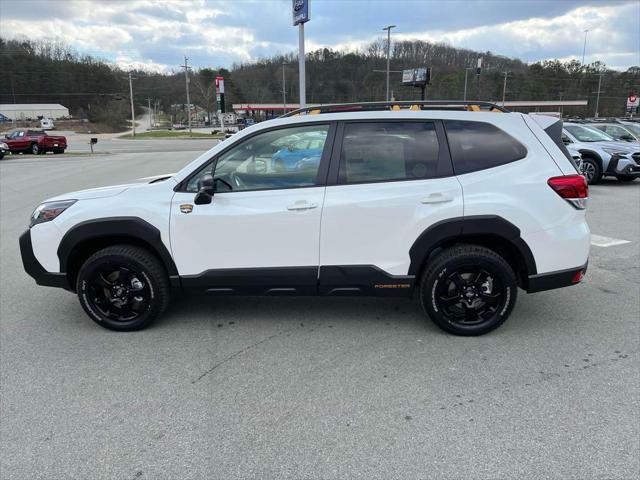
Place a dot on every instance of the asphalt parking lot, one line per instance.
(315, 387)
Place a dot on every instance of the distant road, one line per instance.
(80, 143)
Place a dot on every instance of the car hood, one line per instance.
(623, 147)
(102, 192)
(111, 191)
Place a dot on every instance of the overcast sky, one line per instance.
(155, 34)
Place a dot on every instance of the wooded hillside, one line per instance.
(45, 72)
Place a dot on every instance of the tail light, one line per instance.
(573, 188)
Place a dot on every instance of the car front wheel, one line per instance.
(591, 170)
(123, 287)
(468, 290)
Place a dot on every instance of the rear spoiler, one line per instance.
(553, 127)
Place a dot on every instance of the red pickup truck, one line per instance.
(35, 141)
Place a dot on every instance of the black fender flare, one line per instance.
(458, 228)
(590, 153)
(125, 227)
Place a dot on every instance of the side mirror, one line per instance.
(203, 197)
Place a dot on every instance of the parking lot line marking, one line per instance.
(602, 241)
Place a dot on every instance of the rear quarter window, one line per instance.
(477, 146)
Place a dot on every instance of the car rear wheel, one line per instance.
(591, 170)
(58, 150)
(123, 287)
(468, 290)
(35, 149)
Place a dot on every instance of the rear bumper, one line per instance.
(37, 271)
(558, 279)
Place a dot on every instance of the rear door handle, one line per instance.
(437, 198)
(302, 205)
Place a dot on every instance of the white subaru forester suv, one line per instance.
(456, 203)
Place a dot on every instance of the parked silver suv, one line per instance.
(601, 154)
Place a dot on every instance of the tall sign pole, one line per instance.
(300, 17)
(220, 100)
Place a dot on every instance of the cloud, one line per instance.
(157, 33)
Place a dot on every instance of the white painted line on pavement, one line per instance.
(602, 241)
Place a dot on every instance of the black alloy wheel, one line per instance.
(118, 292)
(123, 287)
(468, 290)
(469, 295)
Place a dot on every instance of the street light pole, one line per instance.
(598, 93)
(584, 46)
(388, 29)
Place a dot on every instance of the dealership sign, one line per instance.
(416, 76)
(300, 11)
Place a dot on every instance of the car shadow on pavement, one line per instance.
(295, 310)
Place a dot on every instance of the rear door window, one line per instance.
(386, 151)
(477, 146)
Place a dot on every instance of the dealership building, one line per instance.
(24, 111)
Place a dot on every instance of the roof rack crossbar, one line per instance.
(373, 106)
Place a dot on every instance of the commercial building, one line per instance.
(24, 111)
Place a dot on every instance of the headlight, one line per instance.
(613, 151)
(48, 211)
(4, 146)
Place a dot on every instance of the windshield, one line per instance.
(633, 127)
(588, 134)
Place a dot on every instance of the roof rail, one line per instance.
(397, 105)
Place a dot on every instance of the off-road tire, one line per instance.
(455, 259)
(138, 260)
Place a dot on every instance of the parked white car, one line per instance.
(46, 124)
(454, 206)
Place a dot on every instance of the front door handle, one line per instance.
(302, 205)
(437, 198)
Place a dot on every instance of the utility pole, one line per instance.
(133, 116)
(150, 113)
(186, 79)
(598, 93)
(284, 90)
(466, 73)
(504, 87)
(584, 46)
(388, 29)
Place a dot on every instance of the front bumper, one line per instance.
(559, 279)
(633, 170)
(37, 271)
